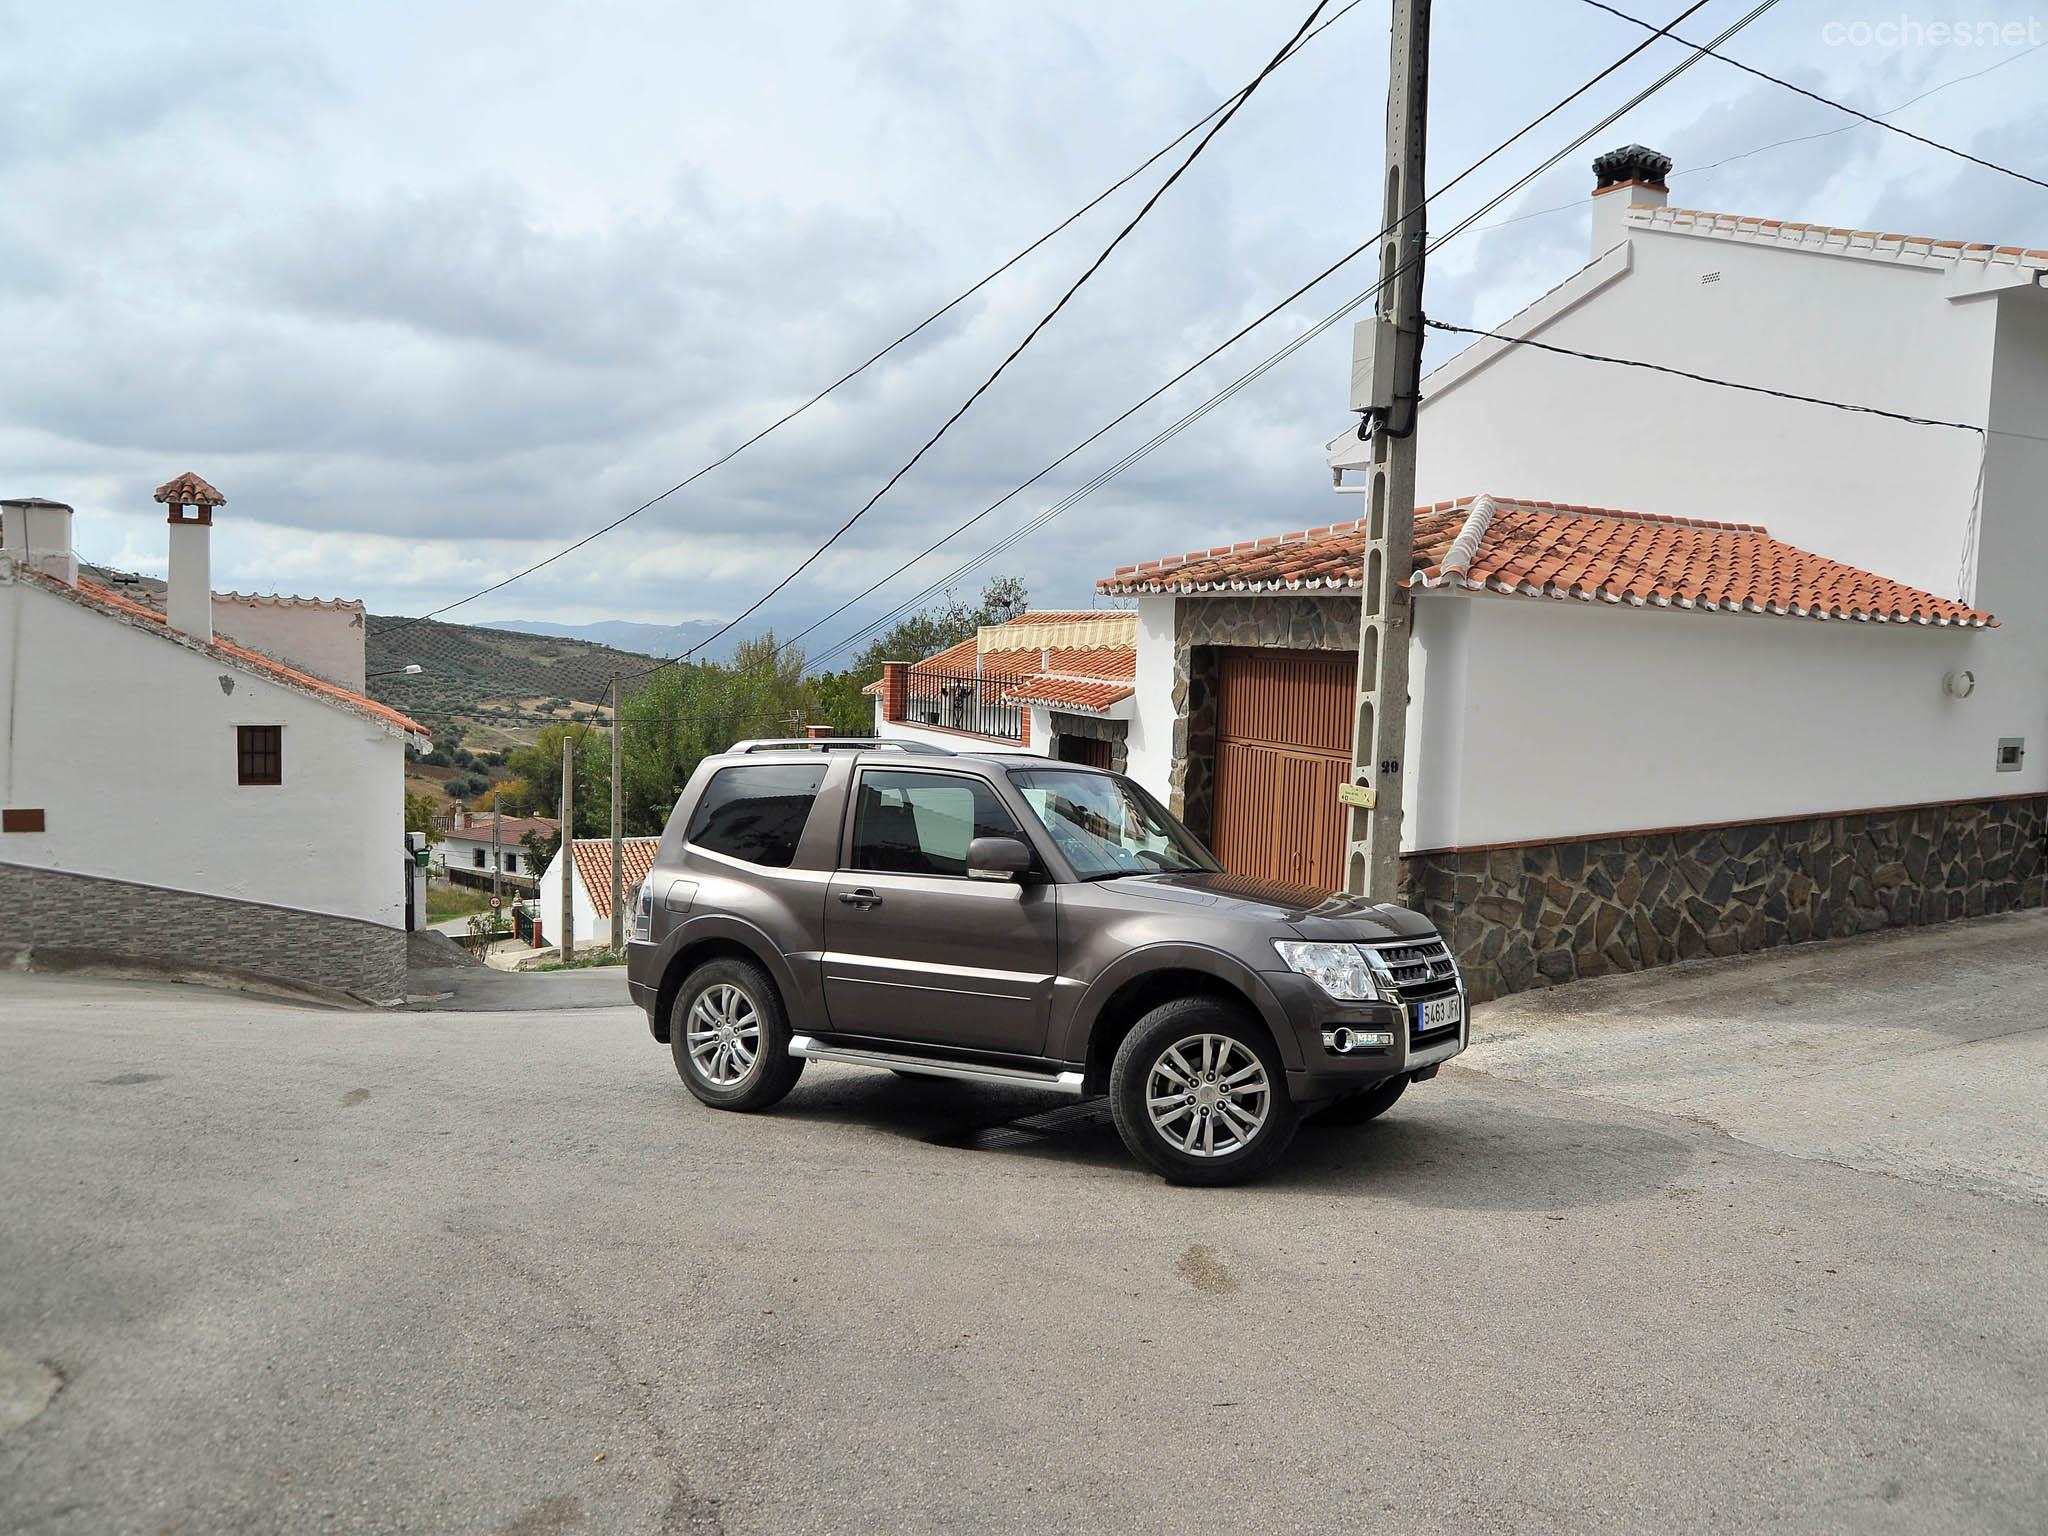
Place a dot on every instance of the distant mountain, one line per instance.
(499, 686)
(624, 634)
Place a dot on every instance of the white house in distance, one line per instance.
(177, 798)
(1058, 684)
(1708, 671)
(472, 848)
(591, 893)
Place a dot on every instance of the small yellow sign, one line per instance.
(1364, 796)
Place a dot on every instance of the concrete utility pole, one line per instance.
(618, 833)
(1386, 374)
(565, 940)
(497, 859)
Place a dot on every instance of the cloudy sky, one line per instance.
(431, 289)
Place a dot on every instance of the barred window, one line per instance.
(259, 754)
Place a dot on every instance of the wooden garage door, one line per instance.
(1283, 745)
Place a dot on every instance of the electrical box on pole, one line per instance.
(1385, 385)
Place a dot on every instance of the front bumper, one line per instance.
(1326, 1074)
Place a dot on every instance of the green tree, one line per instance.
(935, 628)
(419, 816)
(538, 776)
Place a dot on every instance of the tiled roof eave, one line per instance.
(1437, 580)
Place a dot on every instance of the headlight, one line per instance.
(1341, 970)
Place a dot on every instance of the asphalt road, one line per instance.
(304, 1271)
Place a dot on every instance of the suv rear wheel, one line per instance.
(731, 1038)
(1198, 1093)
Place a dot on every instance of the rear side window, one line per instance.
(921, 823)
(757, 812)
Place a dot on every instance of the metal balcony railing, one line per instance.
(979, 705)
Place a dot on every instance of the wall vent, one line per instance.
(1710, 277)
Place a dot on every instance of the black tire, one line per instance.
(1366, 1104)
(771, 1073)
(1141, 1054)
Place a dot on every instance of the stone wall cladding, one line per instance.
(1291, 621)
(58, 916)
(1526, 917)
(1095, 728)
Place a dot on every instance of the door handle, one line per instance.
(862, 898)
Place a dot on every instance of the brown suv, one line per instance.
(1011, 919)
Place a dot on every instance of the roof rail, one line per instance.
(835, 744)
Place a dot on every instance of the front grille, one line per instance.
(1419, 967)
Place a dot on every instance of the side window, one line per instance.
(910, 823)
(757, 812)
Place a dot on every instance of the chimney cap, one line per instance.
(34, 501)
(188, 490)
(1632, 162)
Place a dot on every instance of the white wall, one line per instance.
(459, 850)
(126, 741)
(1580, 718)
(1884, 495)
(1150, 740)
(961, 741)
(2012, 558)
(319, 638)
(590, 929)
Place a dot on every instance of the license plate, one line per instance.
(1437, 1013)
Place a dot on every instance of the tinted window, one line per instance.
(921, 823)
(757, 812)
(1107, 826)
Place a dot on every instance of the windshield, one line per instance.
(1107, 826)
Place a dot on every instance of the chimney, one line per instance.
(188, 605)
(37, 533)
(1625, 178)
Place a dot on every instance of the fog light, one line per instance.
(1345, 1041)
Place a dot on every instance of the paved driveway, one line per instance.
(1921, 1053)
(333, 1271)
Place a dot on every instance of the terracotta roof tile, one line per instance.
(1541, 549)
(1815, 237)
(511, 829)
(90, 594)
(1071, 692)
(189, 490)
(593, 857)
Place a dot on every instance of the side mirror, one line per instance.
(997, 858)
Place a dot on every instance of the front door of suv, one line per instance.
(916, 950)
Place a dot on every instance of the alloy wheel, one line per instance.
(1208, 1095)
(723, 1033)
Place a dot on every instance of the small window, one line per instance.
(259, 754)
(910, 823)
(511, 863)
(483, 859)
(757, 813)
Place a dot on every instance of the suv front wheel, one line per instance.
(1198, 1093)
(731, 1037)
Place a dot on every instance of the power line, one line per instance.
(1334, 266)
(1166, 434)
(1703, 378)
(1828, 101)
(1029, 336)
(1230, 103)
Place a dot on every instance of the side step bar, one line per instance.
(969, 1071)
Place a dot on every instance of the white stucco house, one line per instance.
(471, 849)
(1707, 671)
(589, 866)
(1057, 684)
(176, 796)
